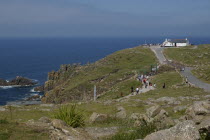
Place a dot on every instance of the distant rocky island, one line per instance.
(18, 81)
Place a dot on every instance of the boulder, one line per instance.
(179, 108)
(204, 125)
(59, 124)
(198, 108)
(182, 131)
(153, 111)
(121, 113)
(45, 120)
(95, 117)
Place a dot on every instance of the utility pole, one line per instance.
(94, 94)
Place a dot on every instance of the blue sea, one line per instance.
(35, 57)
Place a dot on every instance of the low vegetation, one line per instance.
(197, 57)
(70, 115)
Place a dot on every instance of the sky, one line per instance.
(104, 18)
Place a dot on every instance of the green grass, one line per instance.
(203, 73)
(17, 131)
(70, 115)
(134, 132)
(198, 58)
(189, 56)
(116, 72)
(24, 113)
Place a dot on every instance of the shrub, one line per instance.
(70, 115)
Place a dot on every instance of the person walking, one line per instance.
(131, 89)
(137, 90)
(164, 85)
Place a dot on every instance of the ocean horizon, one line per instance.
(35, 57)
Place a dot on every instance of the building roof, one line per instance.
(178, 40)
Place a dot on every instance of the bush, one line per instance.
(70, 115)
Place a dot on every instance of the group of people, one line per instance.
(144, 79)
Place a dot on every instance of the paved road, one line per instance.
(194, 80)
(187, 72)
(159, 53)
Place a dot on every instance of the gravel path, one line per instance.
(187, 72)
(194, 80)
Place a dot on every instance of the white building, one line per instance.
(176, 43)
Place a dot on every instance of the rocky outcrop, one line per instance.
(182, 131)
(95, 117)
(39, 88)
(18, 81)
(154, 114)
(198, 111)
(3, 82)
(34, 98)
(58, 129)
(121, 113)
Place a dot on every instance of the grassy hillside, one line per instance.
(113, 75)
(198, 57)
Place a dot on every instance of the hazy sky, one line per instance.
(104, 18)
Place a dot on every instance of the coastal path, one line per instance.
(186, 73)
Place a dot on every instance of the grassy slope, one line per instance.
(174, 88)
(112, 75)
(199, 58)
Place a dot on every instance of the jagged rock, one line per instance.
(34, 97)
(198, 108)
(95, 117)
(179, 108)
(39, 89)
(121, 113)
(99, 132)
(182, 131)
(204, 125)
(22, 81)
(153, 111)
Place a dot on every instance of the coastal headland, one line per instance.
(172, 105)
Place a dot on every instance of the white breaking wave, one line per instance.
(32, 90)
(8, 87)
